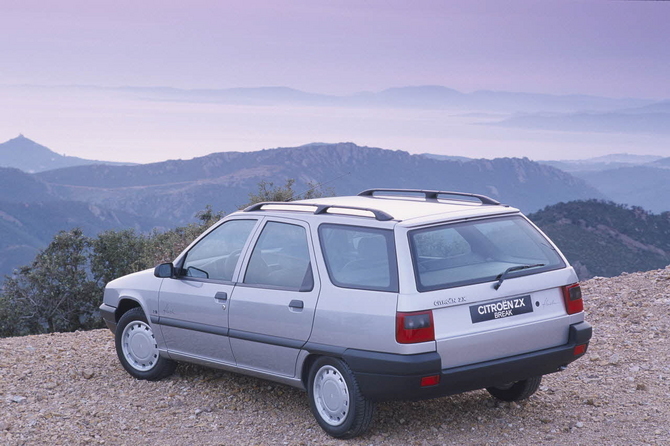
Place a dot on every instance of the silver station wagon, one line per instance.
(392, 294)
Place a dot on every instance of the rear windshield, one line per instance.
(471, 252)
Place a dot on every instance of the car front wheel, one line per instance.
(516, 391)
(336, 400)
(137, 348)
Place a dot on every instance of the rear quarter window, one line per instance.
(359, 257)
(457, 254)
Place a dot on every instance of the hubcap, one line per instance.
(139, 346)
(331, 395)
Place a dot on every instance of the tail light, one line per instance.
(414, 327)
(572, 294)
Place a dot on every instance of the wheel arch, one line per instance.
(314, 352)
(126, 304)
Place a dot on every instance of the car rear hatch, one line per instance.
(494, 288)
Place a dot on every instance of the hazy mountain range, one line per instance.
(609, 162)
(424, 97)
(635, 180)
(149, 124)
(645, 186)
(30, 215)
(25, 154)
(566, 113)
(97, 197)
(175, 190)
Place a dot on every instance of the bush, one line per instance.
(55, 292)
(117, 253)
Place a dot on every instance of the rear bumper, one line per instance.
(108, 314)
(384, 376)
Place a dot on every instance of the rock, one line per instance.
(88, 374)
(4, 426)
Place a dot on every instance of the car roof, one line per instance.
(410, 209)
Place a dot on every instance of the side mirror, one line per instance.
(164, 270)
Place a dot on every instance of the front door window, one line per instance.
(216, 255)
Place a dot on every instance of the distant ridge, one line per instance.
(418, 97)
(647, 186)
(97, 197)
(635, 180)
(429, 97)
(606, 162)
(175, 190)
(27, 155)
(31, 214)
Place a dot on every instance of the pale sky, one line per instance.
(610, 48)
(597, 47)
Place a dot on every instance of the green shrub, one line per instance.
(55, 292)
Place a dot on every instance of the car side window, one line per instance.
(361, 258)
(216, 255)
(281, 258)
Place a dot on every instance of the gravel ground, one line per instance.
(69, 388)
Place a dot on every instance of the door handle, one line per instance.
(296, 304)
(221, 296)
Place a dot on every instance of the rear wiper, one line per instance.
(511, 269)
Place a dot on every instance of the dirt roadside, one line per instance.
(68, 388)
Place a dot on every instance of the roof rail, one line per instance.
(320, 208)
(431, 194)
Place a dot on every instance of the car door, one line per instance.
(273, 305)
(193, 307)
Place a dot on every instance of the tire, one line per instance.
(137, 349)
(336, 400)
(517, 391)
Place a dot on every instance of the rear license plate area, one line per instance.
(501, 309)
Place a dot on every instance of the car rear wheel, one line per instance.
(137, 349)
(516, 391)
(336, 400)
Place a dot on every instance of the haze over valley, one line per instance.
(140, 125)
